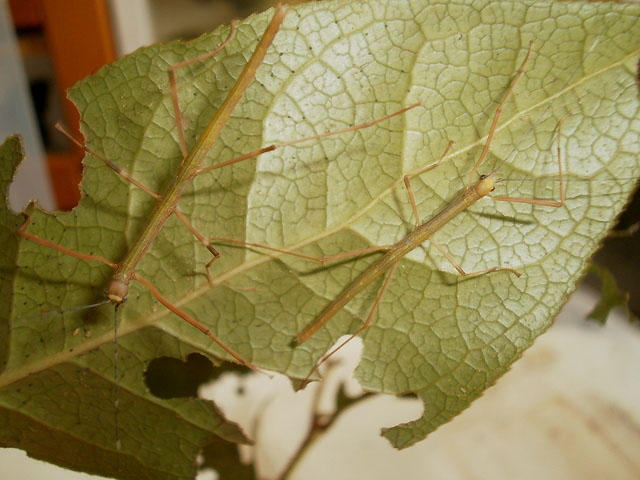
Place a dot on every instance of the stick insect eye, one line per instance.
(482, 177)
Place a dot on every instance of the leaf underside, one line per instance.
(333, 64)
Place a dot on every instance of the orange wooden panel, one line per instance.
(80, 41)
(65, 174)
(26, 13)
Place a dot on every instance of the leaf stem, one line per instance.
(320, 423)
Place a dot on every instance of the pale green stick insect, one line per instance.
(470, 194)
(125, 271)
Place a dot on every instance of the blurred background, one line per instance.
(581, 416)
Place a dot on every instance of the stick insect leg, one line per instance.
(329, 258)
(216, 255)
(541, 201)
(363, 327)
(409, 176)
(446, 255)
(108, 163)
(82, 256)
(496, 116)
(276, 146)
(203, 240)
(192, 321)
(174, 89)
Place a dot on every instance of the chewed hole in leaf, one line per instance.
(169, 377)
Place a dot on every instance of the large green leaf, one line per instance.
(333, 64)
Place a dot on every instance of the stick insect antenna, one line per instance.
(116, 380)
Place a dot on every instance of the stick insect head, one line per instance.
(485, 185)
(117, 291)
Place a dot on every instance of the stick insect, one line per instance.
(474, 190)
(125, 271)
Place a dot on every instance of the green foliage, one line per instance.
(333, 64)
(610, 296)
